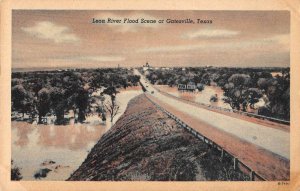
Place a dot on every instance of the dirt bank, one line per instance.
(145, 144)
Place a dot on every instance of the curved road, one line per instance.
(271, 139)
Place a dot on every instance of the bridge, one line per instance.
(262, 146)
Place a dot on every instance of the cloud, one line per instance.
(93, 58)
(263, 44)
(51, 31)
(103, 58)
(175, 48)
(128, 27)
(211, 33)
(283, 40)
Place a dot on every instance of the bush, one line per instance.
(15, 172)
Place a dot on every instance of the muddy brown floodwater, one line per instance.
(204, 96)
(60, 148)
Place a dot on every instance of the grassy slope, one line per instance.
(145, 144)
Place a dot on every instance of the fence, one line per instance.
(237, 164)
(227, 110)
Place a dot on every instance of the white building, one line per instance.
(146, 66)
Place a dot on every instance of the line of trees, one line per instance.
(57, 92)
(243, 87)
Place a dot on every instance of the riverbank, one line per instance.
(145, 144)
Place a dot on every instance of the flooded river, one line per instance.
(200, 97)
(60, 148)
(204, 96)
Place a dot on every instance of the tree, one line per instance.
(37, 86)
(72, 84)
(233, 97)
(200, 87)
(43, 103)
(15, 81)
(111, 106)
(58, 103)
(205, 79)
(23, 101)
(18, 98)
(277, 91)
(239, 80)
(15, 172)
(134, 79)
(264, 83)
(101, 112)
(71, 105)
(252, 96)
(82, 103)
(100, 107)
(111, 91)
(235, 91)
(214, 98)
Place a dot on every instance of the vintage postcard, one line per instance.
(121, 97)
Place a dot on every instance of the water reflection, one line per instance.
(72, 137)
(67, 145)
(23, 131)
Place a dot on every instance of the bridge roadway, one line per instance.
(271, 139)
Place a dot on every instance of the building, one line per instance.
(187, 87)
(146, 66)
(191, 86)
(181, 87)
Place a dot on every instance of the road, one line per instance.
(271, 139)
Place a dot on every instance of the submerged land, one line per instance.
(145, 144)
(81, 113)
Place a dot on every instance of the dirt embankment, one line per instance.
(145, 144)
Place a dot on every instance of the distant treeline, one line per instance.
(243, 87)
(44, 93)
